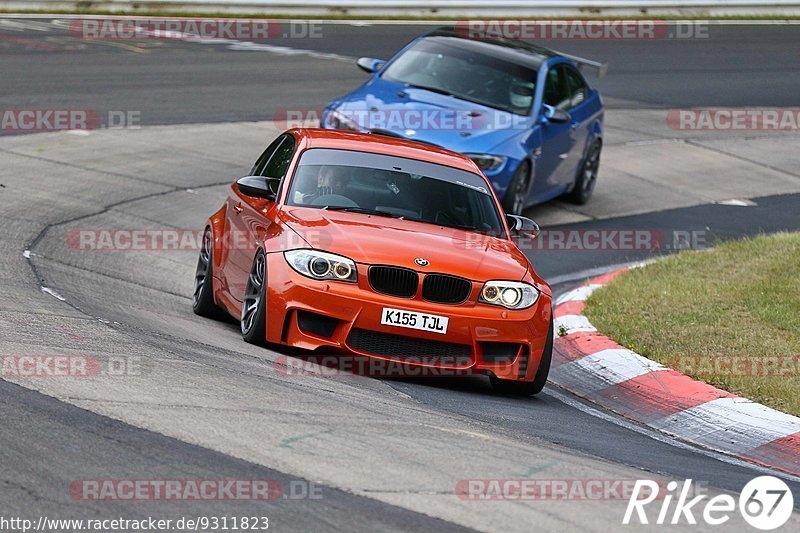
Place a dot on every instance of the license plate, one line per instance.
(414, 320)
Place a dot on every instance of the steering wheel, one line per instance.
(334, 199)
(442, 217)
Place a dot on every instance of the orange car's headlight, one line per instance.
(322, 265)
(509, 294)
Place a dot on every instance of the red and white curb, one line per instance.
(594, 367)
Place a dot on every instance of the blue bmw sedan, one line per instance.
(523, 113)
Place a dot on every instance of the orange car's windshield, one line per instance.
(394, 186)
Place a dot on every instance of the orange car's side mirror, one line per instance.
(259, 187)
(522, 227)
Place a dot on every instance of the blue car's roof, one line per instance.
(516, 51)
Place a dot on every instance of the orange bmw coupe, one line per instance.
(381, 247)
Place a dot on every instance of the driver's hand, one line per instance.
(304, 197)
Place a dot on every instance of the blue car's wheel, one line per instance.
(517, 192)
(587, 176)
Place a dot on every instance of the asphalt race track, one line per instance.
(173, 82)
(382, 454)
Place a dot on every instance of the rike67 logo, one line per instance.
(766, 503)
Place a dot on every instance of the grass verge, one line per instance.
(729, 316)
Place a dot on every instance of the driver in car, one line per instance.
(331, 180)
(521, 94)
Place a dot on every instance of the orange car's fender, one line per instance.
(542, 317)
(217, 224)
(277, 236)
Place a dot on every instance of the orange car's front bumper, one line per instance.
(488, 339)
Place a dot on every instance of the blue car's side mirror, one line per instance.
(369, 64)
(553, 114)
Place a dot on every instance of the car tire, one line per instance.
(203, 295)
(517, 192)
(253, 320)
(510, 387)
(587, 176)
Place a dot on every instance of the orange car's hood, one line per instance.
(379, 240)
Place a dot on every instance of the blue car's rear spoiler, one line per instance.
(602, 68)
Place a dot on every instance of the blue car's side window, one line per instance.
(577, 87)
(556, 90)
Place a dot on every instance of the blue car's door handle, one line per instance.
(574, 125)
